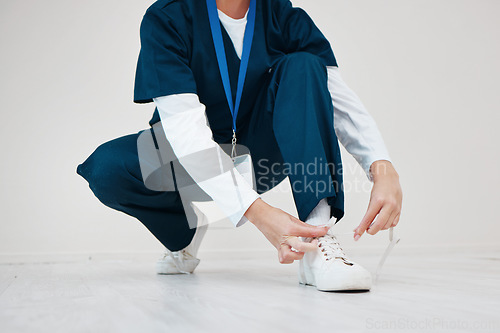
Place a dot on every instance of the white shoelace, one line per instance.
(331, 249)
(392, 242)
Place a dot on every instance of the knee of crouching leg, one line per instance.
(303, 59)
(105, 173)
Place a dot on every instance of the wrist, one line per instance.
(256, 210)
(382, 169)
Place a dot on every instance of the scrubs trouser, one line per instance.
(289, 133)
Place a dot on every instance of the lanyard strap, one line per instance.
(213, 16)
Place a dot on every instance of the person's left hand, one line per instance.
(385, 200)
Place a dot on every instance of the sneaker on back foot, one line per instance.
(183, 261)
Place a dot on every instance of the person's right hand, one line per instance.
(283, 231)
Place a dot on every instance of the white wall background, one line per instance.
(427, 71)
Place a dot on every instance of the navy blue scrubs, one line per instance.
(285, 117)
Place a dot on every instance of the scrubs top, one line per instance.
(178, 55)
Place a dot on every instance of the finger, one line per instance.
(287, 256)
(381, 220)
(390, 220)
(396, 220)
(302, 229)
(372, 211)
(302, 246)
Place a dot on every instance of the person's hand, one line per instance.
(385, 200)
(283, 231)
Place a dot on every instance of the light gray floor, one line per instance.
(448, 291)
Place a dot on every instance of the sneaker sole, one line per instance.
(341, 284)
(169, 268)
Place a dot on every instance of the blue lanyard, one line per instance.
(213, 16)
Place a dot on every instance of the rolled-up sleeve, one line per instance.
(163, 65)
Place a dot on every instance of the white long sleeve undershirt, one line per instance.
(185, 125)
(184, 122)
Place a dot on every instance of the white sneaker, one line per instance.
(329, 270)
(183, 261)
